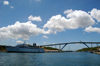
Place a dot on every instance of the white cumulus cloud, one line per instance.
(55, 24)
(6, 2)
(95, 13)
(20, 30)
(34, 18)
(73, 20)
(79, 19)
(92, 29)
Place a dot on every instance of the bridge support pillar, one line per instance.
(86, 45)
(64, 46)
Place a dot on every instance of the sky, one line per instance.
(49, 21)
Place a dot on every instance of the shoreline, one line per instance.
(96, 53)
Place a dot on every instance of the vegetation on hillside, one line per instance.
(89, 49)
(2, 48)
(50, 48)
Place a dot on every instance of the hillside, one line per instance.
(89, 49)
(2, 48)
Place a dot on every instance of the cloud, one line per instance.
(79, 19)
(19, 42)
(92, 29)
(73, 20)
(68, 11)
(34, 18)
(20, 30)
(95, 13)
(45, 36)
(55, 24)
(6, 2)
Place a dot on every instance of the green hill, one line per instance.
(50, 48)
(89, 49)
(2, 48)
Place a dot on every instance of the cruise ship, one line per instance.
(25, 48)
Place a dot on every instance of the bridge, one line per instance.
(64, 44)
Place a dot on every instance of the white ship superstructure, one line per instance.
(25, 48)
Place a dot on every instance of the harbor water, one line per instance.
(50, 59)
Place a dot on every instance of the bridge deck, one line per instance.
(72, 43)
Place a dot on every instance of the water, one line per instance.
(50, 59)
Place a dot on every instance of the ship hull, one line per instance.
(24, 50)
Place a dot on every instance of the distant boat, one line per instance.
(25, 48)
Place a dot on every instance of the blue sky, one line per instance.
(15, 10)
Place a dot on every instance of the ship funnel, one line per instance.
(34, 44)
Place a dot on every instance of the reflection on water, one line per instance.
(49, 59)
